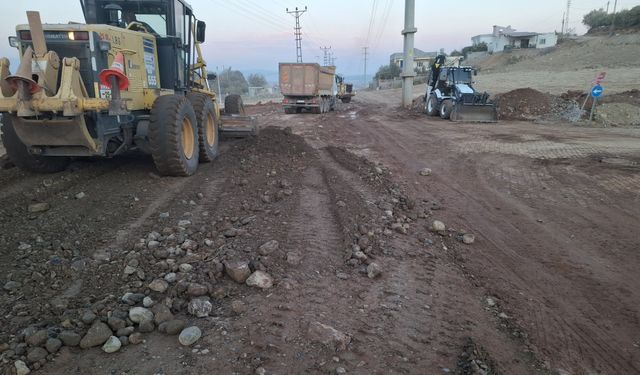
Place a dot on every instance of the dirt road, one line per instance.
(549, 286)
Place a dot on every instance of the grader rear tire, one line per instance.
(208, 121)
(173, 136)
(20, 156)
(233, 105)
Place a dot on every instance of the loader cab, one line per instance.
(169, 21)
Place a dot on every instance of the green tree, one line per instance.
(257, 80)
(388, 72)
(233, 82)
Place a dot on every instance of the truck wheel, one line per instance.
(173, 136)
(431, 107)
(19, 153)
(445, 109)
(233, 105)
(207, 125)
(289, 111)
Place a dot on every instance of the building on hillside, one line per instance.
(421, 60)
(507, 38)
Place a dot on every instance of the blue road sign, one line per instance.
(597, 91)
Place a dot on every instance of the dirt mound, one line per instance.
(418, 104)
(618, 114)
(523, 104)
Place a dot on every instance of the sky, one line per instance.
(254, 35)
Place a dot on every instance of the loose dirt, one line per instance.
(548, 285)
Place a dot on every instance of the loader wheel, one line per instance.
(173, 136)
(445, 109)
(431, 106)
(207, 126)
(233, 105)
(346, 99)
(20, 156)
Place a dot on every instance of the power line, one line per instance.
(298, 31)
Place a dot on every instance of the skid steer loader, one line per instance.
(450, 94)
(132, 77)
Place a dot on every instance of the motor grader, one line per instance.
(132, 77)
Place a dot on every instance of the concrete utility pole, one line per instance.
(298, 31)
(408, 73)
(608, 2)
(327, 59)
(566, 23)
(365, 66)
(613, 19)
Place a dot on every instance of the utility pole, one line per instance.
(566, 23)
(298, 31)
(608, 2)
(408, 73)
(327, 59)
(563, 19)
(613, 18)
(333, 59)
(365, 66)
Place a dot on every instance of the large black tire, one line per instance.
(208, 131)
(19, 153)
(233, 105)
(431, 106)
(290, 111)
(346, 99)
(445, 109)
(173, 136)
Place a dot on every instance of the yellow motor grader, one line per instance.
(132, 77)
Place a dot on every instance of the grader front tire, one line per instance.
(173, 136)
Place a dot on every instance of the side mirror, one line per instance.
(200, 31)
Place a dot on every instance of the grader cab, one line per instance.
(132, 77)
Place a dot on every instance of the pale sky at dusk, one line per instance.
(256, 35)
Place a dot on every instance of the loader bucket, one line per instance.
(474, 113)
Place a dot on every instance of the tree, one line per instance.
(232, 82)
(480, 47)
(257, 80)
(388, 72)
(598, 18)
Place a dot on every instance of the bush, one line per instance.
(480, 47)
(390, 71)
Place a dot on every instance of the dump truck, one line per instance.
(307, 86)
(131, 78)
(345, 90)
(450, 94)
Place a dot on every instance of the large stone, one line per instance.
(260, 279)
(38, 207)
(21, 368)
(197, 290)
(200, 307)
(69, 338)
(373, 270)
(438, 226)
(116, 323)
(97, 335)
(112, 345)
(172, 327)
(36, 355)
(161, 313)
(140, 314)
(37, 338)
(159, 285)
(53, 345)
(189, 336)
(328, 336)
(268, 247)
(239, 271)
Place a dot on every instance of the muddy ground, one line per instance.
(548, 286)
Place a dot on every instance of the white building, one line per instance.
(505, 38)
